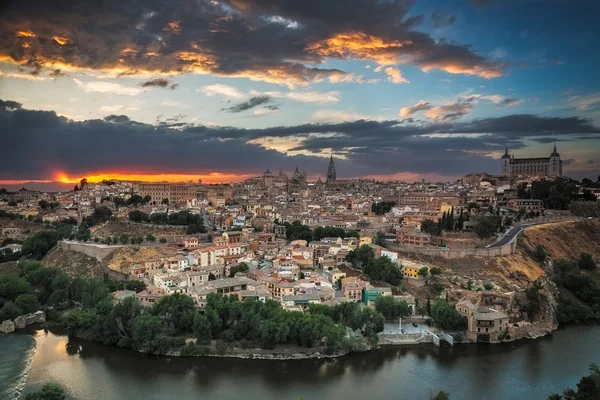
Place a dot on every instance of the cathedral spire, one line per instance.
(331, 175)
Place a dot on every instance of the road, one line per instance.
(509, 236)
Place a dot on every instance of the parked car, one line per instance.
(415, 325)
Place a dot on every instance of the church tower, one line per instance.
(555, 164)
(505, 167)
(331, 171)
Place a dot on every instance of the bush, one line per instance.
(50, 391)
(586, 261)
(189, 349)
(541, 253)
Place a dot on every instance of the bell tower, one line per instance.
(331, 171)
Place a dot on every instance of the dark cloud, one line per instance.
(441, 20)
(160, 83)
(9, 105)
(117, 119)
(569, 161)
(247, 105)
(370, 147)
(279, 41)
(510, 101)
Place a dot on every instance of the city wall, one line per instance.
(506, 249)
(98, 251)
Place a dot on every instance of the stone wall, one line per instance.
(530, 330)
(97, 251)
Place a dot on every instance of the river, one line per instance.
(528, 369)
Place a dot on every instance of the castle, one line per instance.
(542, 166)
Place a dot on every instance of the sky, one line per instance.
(221, 90)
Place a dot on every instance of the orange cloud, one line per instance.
(60, 39)
(25, 33)
(359, 45)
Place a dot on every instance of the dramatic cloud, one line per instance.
(420, 106)
(449, 112)
(365, 146)
(159, 83)
(247, 105)
(277, 41)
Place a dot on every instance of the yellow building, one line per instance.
(410, 269)
(365, 240)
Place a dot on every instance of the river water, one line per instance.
(528, 369)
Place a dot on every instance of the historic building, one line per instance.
(543, 166)
(331, 176)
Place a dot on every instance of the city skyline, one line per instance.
(399, 90)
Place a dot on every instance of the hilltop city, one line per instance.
(280, 237)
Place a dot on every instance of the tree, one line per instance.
(43, 204)
(124, 238)
(93, 293)
(391, 308)
(242, 267)
(441, 395)
(586, 261)
(423, 272)
(135, 200)
(380, 239)
(137, 216)
(430, 227)
(50, 391)
(428, 305)
(445, 315)
(28, 303)
(202, 329)
(487, 226)
(177, 312)
(38, 245)
(435, 271)
(165, 201)
(150, 238)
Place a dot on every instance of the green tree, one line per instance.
(39, 244)
(137, 216)
(43, 204)
(93, 293)
(435, 271)
(28, 303)
(430, 227)
(177, 312)
(380, 239)
(423, 272)
(445, 315)
(586, 261)
(441, 395)
(150, 238)
(202, 329)
(391, 308)
(50, 391)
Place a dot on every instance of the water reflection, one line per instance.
(525, 369)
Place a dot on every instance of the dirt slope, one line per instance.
(74, 263)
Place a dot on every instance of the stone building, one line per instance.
(543, 166)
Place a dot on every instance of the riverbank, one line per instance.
(527, 369)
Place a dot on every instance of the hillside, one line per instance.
(564, 240)
(117, 228)
(74, 263)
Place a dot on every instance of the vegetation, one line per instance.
(391, 308)
(381, 269)
(242, 267)
(194, 222)
(383, 207)
(445, 315)
(330, 231)
(588, 387)
(37, 286)
(487, 226)
(297, 231)
(584, 302)
(50, 391)
(534, 299)
(586, 262)
(441, 395)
